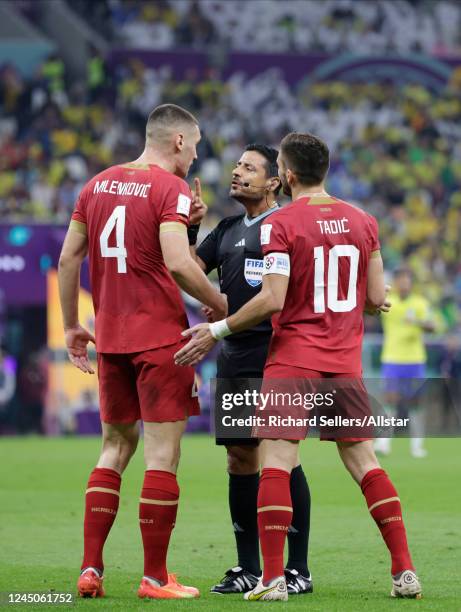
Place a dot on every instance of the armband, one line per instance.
(277, 263)
(192, 233)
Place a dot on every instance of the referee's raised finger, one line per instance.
(198, 188)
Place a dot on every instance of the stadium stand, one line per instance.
(395, 146)
(329, 26)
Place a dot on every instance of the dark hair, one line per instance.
(167, 116)
(270, 155)
(306, 156)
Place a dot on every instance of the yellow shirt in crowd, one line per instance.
(404, 339)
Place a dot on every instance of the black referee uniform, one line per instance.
(234, 249)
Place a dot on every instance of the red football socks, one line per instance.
(157, 515)
(274, 519)
(101, 505)
(384, 506)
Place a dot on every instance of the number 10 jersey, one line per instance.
(122, 210)
(324, 245)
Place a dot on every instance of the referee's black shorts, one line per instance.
(241, 360)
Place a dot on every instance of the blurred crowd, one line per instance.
(327, 26)
(396, 150)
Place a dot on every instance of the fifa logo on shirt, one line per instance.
(253, 271)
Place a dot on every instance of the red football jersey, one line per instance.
(137, 304)
(329, 244)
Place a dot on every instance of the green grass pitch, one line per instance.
(41, 493)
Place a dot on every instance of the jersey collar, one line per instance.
(249, 222)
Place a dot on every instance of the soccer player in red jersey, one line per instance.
(322, 269)
(132, 220)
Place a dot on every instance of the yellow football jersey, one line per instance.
(404, 339)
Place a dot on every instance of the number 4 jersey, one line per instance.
(324, 245)
(137, 304)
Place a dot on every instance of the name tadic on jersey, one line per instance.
(328, 256)
(331, 226)
(334, 226)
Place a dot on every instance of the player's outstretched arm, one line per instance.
(376, 291)
(269, 300)
(73, 252)
(185, 271)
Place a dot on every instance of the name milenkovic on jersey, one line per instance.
(120, 188)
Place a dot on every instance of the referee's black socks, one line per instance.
(243, 498)
(298, 533)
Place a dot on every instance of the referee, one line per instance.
(233, 248)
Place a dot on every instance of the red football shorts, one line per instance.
(346, 398)
(147, 386)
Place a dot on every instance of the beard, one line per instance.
(285, 186)
(241, 197)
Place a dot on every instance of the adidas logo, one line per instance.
(240, 242)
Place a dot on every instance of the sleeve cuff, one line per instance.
(78, 226)
(173, 227)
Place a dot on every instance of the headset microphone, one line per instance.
(254, 186)
(246, 185)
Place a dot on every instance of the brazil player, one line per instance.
(233, 248)
(132, 220)
(322, 266)
(404, 357)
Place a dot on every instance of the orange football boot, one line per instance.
(151, 589)
(90, 583)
